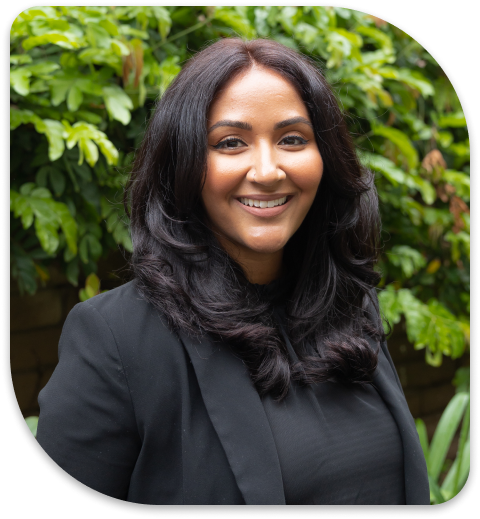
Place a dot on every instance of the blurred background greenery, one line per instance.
(85, 79)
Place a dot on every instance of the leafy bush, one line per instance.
(455, 476)
(84, 79)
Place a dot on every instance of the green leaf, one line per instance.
(43, 69)
(83, 134)
(377, 36)
(89, 247)
(59, 89)
(83, 249)
(407, 258)
(38, 12)
(118, 104)
(416, 80)
(27, 217)
(32, 422)
(109, 26)
(95, 247)
(458, 474)
(23, 270)
(68, 225)
(164, 21)
(108, 150)
(47, 235)
(355, 39)
(389, 305)
(122, 236)
(74, 99)
(89, 117)
(168, 71)
(391, 172)
(401, 140)
(72, 272)
(97, 36)
(41, 192)
(445, 432)
(57, 180)
(20, 206)
(452, 120)
(42, 176)
(461, 380)
(234, 20)
(27, 188)
(427, 190)
(18, 117)
(54, 37)
(20, 81)
(55, 133)
(436, 496)
(119, 48)
(423, 437)
(89, 150)
(20, 59)
(93, 283)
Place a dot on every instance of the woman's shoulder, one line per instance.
(126, 296)
(133, 322)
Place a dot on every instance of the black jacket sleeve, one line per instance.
(87, 421)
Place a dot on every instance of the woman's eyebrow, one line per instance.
(246, 126)
(234, 124)
(292, 120)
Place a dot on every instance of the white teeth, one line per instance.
(263, 203)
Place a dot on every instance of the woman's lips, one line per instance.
(266, 212)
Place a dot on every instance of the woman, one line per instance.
(246, 362)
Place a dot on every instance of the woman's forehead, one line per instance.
(257, 92)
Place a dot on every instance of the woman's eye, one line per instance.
(229, 144)
(293, 140)
(234, 143)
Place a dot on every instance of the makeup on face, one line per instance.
(263, 164)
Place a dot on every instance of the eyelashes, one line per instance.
(234, 142)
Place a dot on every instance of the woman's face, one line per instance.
(263, 165)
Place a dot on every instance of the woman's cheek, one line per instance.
(307, 173)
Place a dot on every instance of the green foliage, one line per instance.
(84, 79)
(455, 476)
(32, 422)
(92, 288)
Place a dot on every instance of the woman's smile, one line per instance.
(263, 165)
(265, 206)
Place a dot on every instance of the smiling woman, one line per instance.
(263, 169)
(246, 362)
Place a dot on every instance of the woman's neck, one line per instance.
(260, 268)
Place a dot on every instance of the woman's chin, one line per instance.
(265, 246)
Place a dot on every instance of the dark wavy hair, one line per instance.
(183, 271)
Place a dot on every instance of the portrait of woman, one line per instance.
(245, 362)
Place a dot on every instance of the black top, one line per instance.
(146, 415)
(336, 443)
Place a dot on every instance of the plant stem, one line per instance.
(182, 33)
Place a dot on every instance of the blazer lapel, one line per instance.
(239, 419)
(416, 479)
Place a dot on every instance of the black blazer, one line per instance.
(140, 414)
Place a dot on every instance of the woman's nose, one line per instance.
(265, 169)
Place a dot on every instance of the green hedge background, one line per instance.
(84, 81)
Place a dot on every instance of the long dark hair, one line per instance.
(183, 271)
